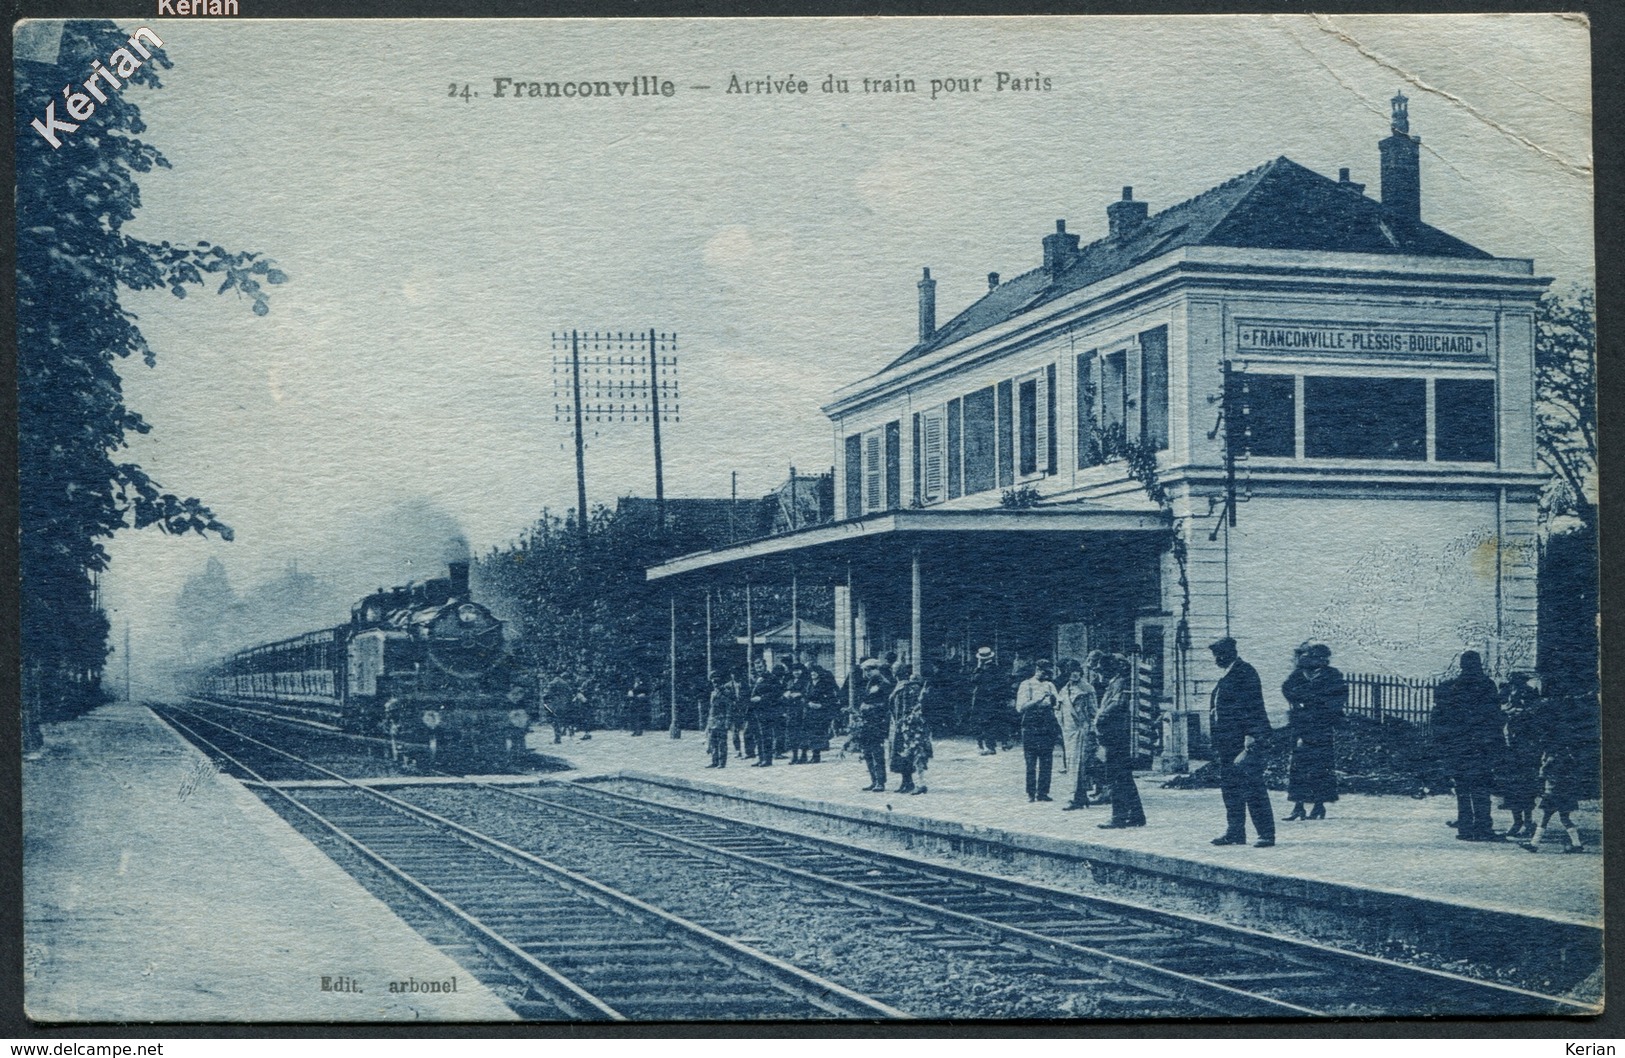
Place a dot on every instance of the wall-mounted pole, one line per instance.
(676, 729)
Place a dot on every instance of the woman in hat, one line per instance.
(1316, 696)
(988, 696)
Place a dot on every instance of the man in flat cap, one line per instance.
(1239, 726)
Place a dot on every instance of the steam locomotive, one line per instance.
(421, 665)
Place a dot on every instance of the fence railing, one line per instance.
(1387, 698)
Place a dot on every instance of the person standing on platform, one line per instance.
(766, 695)
(1560, 773)
(1316, 696)
(1467, 729)
(740, 721)
(872, 721)
(1036, 702)
(1115, 733)
(987, 698)
(581, 707)
(795, 713)
(910, 740)
(637, 706)
(1240, 723)
(1517, 774)
(1078, 708)
(718, 720)
(820, 696)
(556, 705)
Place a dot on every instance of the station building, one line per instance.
(1281, 410)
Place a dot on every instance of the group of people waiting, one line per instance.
(1490, 739)
(789, 709)
(1503, 741)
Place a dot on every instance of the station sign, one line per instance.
(1298, 338)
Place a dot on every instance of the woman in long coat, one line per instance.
(1078, 707)
(910, 738)
(1113, 728)
(1517, 773)
(1317, 695)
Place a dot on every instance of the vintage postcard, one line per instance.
(723, 520)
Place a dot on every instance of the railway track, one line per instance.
(1214, 967)
(1132, 960)
(580, 950)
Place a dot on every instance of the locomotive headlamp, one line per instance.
(519, 718)
(468, 613)
(431, 719)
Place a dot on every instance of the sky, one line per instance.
(435, 243)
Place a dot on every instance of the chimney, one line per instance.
(459, 579)
(1060, 249)
(1123, 217)
(1346, 184)
(992, 281)
(928, 306)
(1402, 167)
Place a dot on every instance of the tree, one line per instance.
(73, 261)
(1566, 404)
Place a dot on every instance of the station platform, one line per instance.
(1383, 867)
(156, 889)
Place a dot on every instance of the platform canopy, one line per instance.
(836, 543)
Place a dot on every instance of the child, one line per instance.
(1560, 772)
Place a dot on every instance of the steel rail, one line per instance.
(820, 992)
(1240, 937)
(557, 988)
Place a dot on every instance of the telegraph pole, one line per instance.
(654, 409)
(581, 444)
(127, 699)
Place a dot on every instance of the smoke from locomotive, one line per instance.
(421, 664)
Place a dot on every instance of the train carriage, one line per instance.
(421, 665)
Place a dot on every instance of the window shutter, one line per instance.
(932, 430)
(1041, 414)
(871, 471)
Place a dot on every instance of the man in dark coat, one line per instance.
(766, 701)
(1239, 726)
(873, 721)
(989, 693)
(820, 694)
(637, 706)
(1467, 731)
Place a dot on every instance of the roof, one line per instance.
(810, 633)
(1280, 205)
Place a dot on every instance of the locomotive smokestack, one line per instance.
(459, 579)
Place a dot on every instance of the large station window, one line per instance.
(1007, 433)
(981, 472)
(1364, 418)
(1027, 398)
(1154, 388)
(894, 465)
(854, 476)
(1268, 414)
(1087, 392)
(1113, 390)
(1464, 420)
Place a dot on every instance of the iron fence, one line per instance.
(1391, 698)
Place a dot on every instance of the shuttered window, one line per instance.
(873, 479)
(933, 455)
(854, 476)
